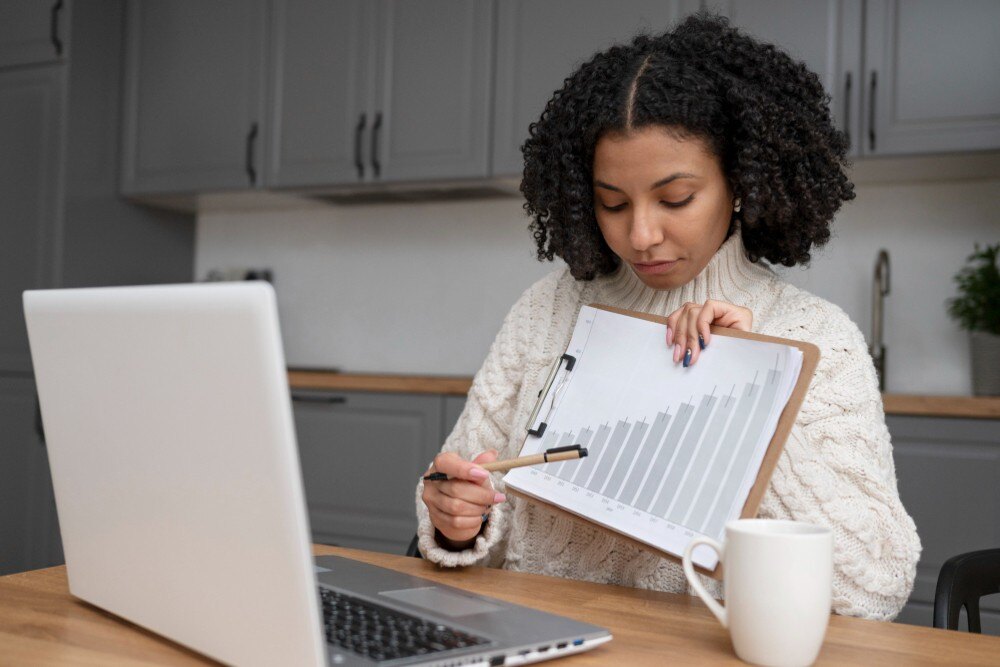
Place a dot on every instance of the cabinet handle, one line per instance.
(319, 398)
(376, 167)
(358, 129)
(871, 113)
(54, 27)
(847, 109)
(251, 140)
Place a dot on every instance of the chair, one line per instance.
(963, 580)
(412, 550)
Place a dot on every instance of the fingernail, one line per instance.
(687, 357)
(485, 517)
(670, 336)
(701, 341)
(499, 498)
(478, 473)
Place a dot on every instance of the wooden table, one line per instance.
(41, 624)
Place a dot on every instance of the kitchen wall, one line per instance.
(423, 287)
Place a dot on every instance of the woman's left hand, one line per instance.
(687, 327)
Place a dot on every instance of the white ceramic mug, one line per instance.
(778, 583)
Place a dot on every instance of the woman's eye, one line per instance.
(613, 208)
(677, 204)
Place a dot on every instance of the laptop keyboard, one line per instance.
(381, 633)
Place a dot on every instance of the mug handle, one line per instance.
(692, 577)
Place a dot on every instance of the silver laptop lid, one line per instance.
(174, 463)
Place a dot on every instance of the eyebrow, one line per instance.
(662, 181)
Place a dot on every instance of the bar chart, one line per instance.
(672, 453)
(683, 465)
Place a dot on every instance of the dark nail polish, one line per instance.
(486, 517)
(687, 357)
(701, 341)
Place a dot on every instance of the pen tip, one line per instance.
(583, 452)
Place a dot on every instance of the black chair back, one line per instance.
(963, 580)
(412, 550)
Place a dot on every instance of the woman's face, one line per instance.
(663, 204)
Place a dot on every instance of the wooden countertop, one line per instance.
(41, 623)
(982, 407)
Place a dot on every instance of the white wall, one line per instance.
(423, 287)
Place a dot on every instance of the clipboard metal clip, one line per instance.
(570, 361)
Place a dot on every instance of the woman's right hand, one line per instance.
(459, 506)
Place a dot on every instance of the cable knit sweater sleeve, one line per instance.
(837, 468)
(485, 423)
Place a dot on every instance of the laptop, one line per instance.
(172, 447)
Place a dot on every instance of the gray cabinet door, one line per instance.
(320, 96)
(361, 456)
(932, 76)
(539, 44)
(31, 129)
(453, 406)
(948, 472)
(193, 95)
(33, 31)
(432, 115)
(29, 533)
(825, 35)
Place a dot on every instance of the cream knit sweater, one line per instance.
(836, 469)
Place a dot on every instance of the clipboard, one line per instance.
(810, 360)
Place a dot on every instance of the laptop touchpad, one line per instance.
(440, 601)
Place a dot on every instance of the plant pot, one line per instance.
(985, 348)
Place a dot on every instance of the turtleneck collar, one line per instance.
(728, 276)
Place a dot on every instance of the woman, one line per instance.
(661, 173)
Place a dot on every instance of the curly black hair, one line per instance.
(764, 115)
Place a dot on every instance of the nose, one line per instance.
(646, 231)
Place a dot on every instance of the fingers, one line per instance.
(456, 467)
(679, 324)
(458, 506)
(689, 327)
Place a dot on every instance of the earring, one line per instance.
(737, 204)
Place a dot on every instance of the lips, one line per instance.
(655, 267)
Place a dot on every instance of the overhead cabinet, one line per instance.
(33, 32)
(916, 77)
(932, 76)
(313, 95)
(193, 95)
(539, 44)
(368, 92)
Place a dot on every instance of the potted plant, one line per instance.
(977, 309)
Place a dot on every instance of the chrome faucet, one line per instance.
(879, 289)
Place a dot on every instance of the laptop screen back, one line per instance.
(174, 464)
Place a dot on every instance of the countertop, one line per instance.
(979, 407)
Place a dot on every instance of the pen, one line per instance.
(566, 453)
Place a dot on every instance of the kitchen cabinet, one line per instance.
(824, 34)
(914, 77)
(193, 96)
(31, 133)
(361, 455)
(379, 92)
(29, 535)
(63, 224)
(321, 75)
(33, 32)
(453, 406)
(540, 43)
(947, 470)
(932, 76)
